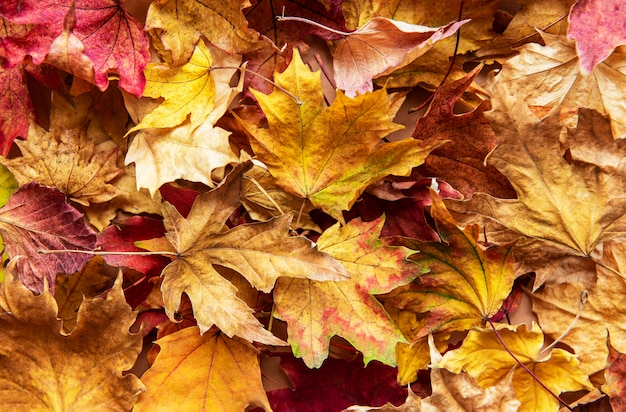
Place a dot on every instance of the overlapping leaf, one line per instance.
(315, 311)
(260, 252)
(44, 369)
(16, 107)
(328, 154)
(228, 368)
(37, 217)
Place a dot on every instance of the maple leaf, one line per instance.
(556, 306)
(614, 377)
(572, 222)
(15, 105)
(328, 155)
(315, 311)
(38, 217)
(228, 368)
(180, 24)
(113, 39)
(598, 28)
(378, 48)
(78, 371)
(466, 283)
(261, 252)
(556, 64)
(484, 358)
(72, 164)
(461, 162)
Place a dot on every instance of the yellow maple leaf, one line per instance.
(328, 155)
(72, 164)
(485, 359)
(228, 369)
(44, 369)
(261, 252)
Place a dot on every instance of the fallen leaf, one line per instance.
(328, 155)
(260, 252)
(557, 64)
(467, 283)
(484, 358)
(179, 24)
(71, 164)
(79, 371)
(15, 105)
(614, 377)
(228, 368)
(557, 306)
(378, 48)
(38, 217)
(113, 39)
(315, 311)
(598, 28)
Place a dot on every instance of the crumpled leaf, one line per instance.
(557, 64)
(614, 385)
(315, 311)
(461, 161)
(529, 154)
(467, 283)
(38, 217)
(484, 358)
(179, 24)
(228, 369)
(328, 155)
(598, 28)
(260, 252)
(379, 47)
(16, 107)
(44, 369)
(71, 164)
(556, 306)
(113, 39)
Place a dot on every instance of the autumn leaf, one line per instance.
(557, 64)
(378, 48)
(260, 252)
(15, 105)
(71, 164)
(485, 359)
(315, 311)
(529, 154)
(614, 377)
(466, 284)
(228, 368)
(113, 39)
(181, 24)
(598, 28)
(79, 371)
(37, 217)
(328, 154)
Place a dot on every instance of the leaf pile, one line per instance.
(257, 198)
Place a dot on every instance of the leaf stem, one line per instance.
(583, 299)
(258, 185)
(104, 253)
(312, 23)
(520, 363)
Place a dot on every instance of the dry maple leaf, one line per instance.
(466, 284)
(328, 155)
(556, 64)
(38, 217)
(179, 24)
(557, 305)
(598, 28)
(572, 207)
(315, 311)
(484, 358)
(44, 369)
(260, 252)
(378, 48)
(614, 377)
(71, 164)
(228, 368)
(16, 107)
